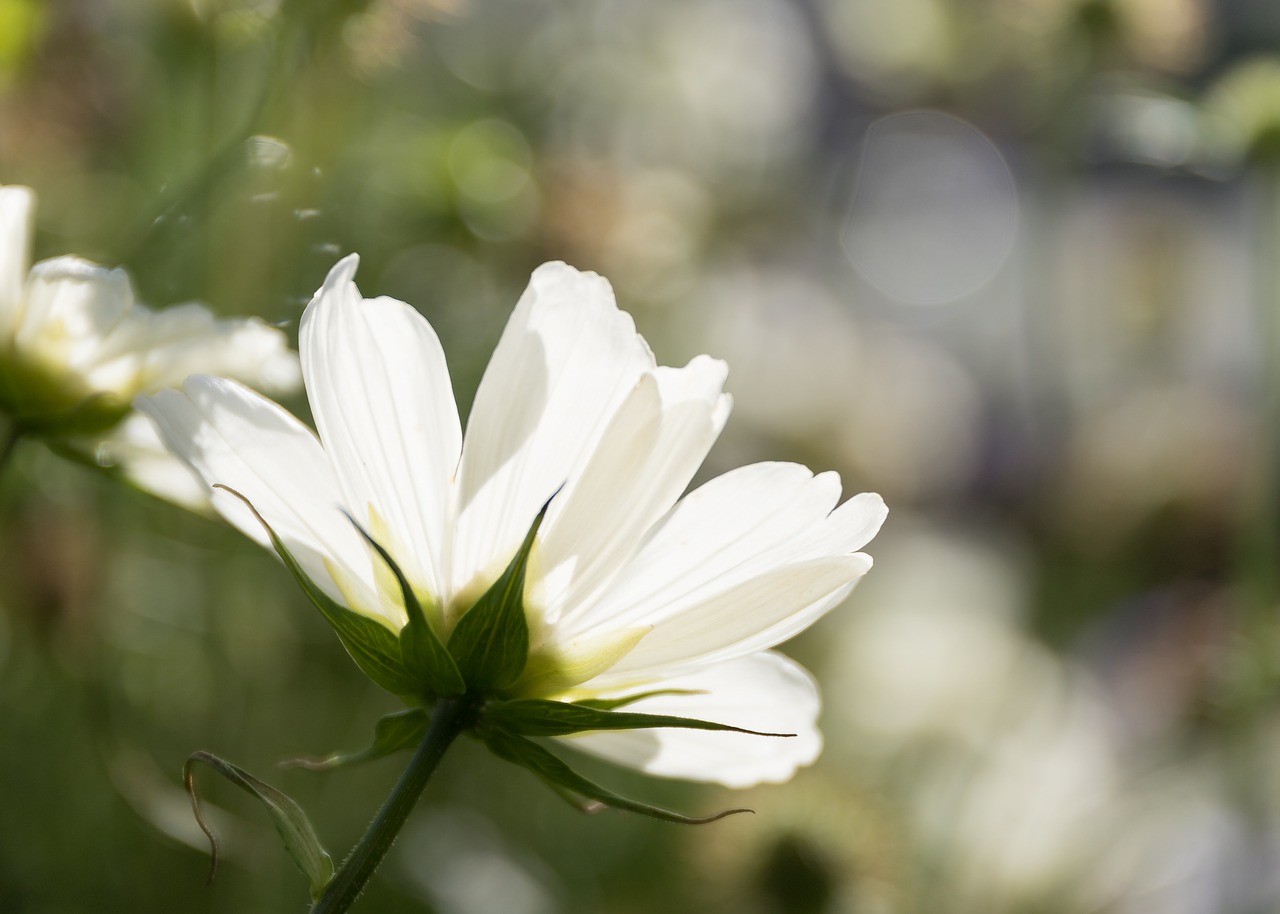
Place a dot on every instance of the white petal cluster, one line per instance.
(630, 587)
(76, 348)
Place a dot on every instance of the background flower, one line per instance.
(75, 348)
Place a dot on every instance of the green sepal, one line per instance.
(423, 653)
(491, 640)
(581, 804)
(563, 779)
(611, 704)
(540, 717)
(291, 822)
(373, 646)
(393, 733)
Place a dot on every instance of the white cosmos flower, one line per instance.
(75, 349)
(630, 588)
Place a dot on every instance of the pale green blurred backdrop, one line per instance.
(1011, 263)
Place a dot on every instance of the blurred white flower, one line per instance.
(1022, 818)
(1004, 771)
(461, 862)
(706, 86)
(75, 349)
(935, 655)
(629, 587)
(896, 409)
(137, 450)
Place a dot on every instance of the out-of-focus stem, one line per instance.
(228, 156)
(1260, 555)
(8, 444)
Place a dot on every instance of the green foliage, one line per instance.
(291, 822)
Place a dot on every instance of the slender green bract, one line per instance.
(393, 733)
(562, 778)
(536, 717)
(611, 704)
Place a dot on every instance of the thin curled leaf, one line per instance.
(540, 717)
(291, 822)
(421, 649)
(562, 778)
(393, 733)
(373, 646)
(491, 640)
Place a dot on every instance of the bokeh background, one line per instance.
(1015, 264)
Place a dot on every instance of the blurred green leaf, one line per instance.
(21, 25)
(291, 822)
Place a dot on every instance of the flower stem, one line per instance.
(449, 718)
(9, 443)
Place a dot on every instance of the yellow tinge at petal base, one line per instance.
(553, 670)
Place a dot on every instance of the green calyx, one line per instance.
(424, 658)
(479, 668)
(491, 641)
(509, 728)
(46, 404)
(486, 652)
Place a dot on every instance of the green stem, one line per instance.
(449, 718)
(228, 157)
(12, 435)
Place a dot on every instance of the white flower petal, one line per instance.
(188, 339)
(850, 526)
(232, 436)
(732, 529)
(750, 617)
(135, 447)
(651, 449)
(567, 359)
(148, 350)
(764, 692)
(383, 404)
(17, 220)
